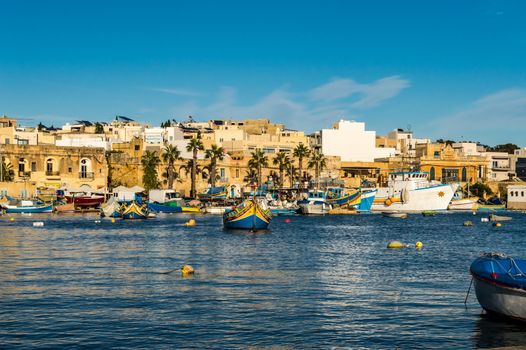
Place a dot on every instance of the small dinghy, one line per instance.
(394, 214)
(500, 285)
(493, 217)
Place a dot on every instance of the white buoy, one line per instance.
(97, 221)
(484, 219)
(38, 224)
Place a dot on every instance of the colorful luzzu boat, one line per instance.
(133, 210)
(26, 207)
(249, 215)
(111, 209)
(338, 197)
(500, 285)
(366, 200)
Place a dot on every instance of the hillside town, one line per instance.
(192, 156)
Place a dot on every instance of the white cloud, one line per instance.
(365, 95)
(177, 91)
(339, 98)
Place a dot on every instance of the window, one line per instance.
(516, 193)
(33, 166)
(222, 173)
(49, 166)
(237, 172)
(137, 147)
(450, 174)
(522, 193)
(69, 170)
(7, 141)
(21, 165)
(511, 193)
(436, 154)
(464, 174)
(220, 139)
(432, 173)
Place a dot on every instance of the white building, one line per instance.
(83, 140)
(154, 136)
(405, 142)
(499, 166)
(352, 143)
(517, 197)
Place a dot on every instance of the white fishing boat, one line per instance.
(217, 210)
(397, 215)
(316, 203)
(467, 204)
(413, 192)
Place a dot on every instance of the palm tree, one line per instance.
(195, 145)
(7, 174)
(258, 161)
(150, 161)
(215, 153)
(170, 156)
(301, 152)
(318, 162)
(282, 160)
(291, 172)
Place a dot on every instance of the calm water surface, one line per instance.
(316, 282)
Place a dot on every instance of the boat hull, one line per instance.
(160, 208)
(252, 217)
(417, 200)
(134, 211)
(315, 208)
(500, 300)
(88, 202)
(30, 209)
(348, 199)
(463, 204)
(366, 200)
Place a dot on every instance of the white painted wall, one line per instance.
(352, 143)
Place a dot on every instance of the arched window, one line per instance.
(432, 173)
(464, 174)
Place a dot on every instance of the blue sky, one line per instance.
(449, 69)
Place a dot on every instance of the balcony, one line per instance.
(52, 173)
(24, 174)
(86, 175)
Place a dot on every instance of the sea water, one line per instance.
(313, 282)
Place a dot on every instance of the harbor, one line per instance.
(307, 282)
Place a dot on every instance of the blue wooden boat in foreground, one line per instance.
(249, 215)
(500, 285)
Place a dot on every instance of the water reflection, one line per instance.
(491, 332)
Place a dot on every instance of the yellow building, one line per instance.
(35, 166)
(445, 164)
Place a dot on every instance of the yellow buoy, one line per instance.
(11, 219)
(497, 224)
(112, 220)
(395, 245)
(418, 245)
(187, 270)
(190, 222)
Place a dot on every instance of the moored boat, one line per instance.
(134, 210)
(493, 217)
(82, 202)
(164, 208)
(366, 200)
(470, 204)
(500, 284)
(249, 215)
(392, 214)
(339, 197)
(26, 207)
(413, 192)
(111, 209)
(316, 203)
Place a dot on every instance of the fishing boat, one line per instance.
(392, 214)
(413, 192)
(339, 197)
(213, 193)
(26, 207)
(492, 204)
(429, 213)
(500, 285)
(366, 200)
(470, 204)
(249, 215)
(315, 203)
(134, 210)
(111, 209)
(84, 201)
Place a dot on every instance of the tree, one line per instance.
(41, 127)
(301, 152)
(480, 190)
(282, 160)
(195, 145)
(215, 153)
(150, 161)
(170, 155)
(8, 174)
(258, 161)
(447, 142)
(291, 173)
(99, 128)
(508, 148)
(318, 162)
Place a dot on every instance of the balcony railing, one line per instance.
(86, 175)
(24, 174)
(52, 173)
